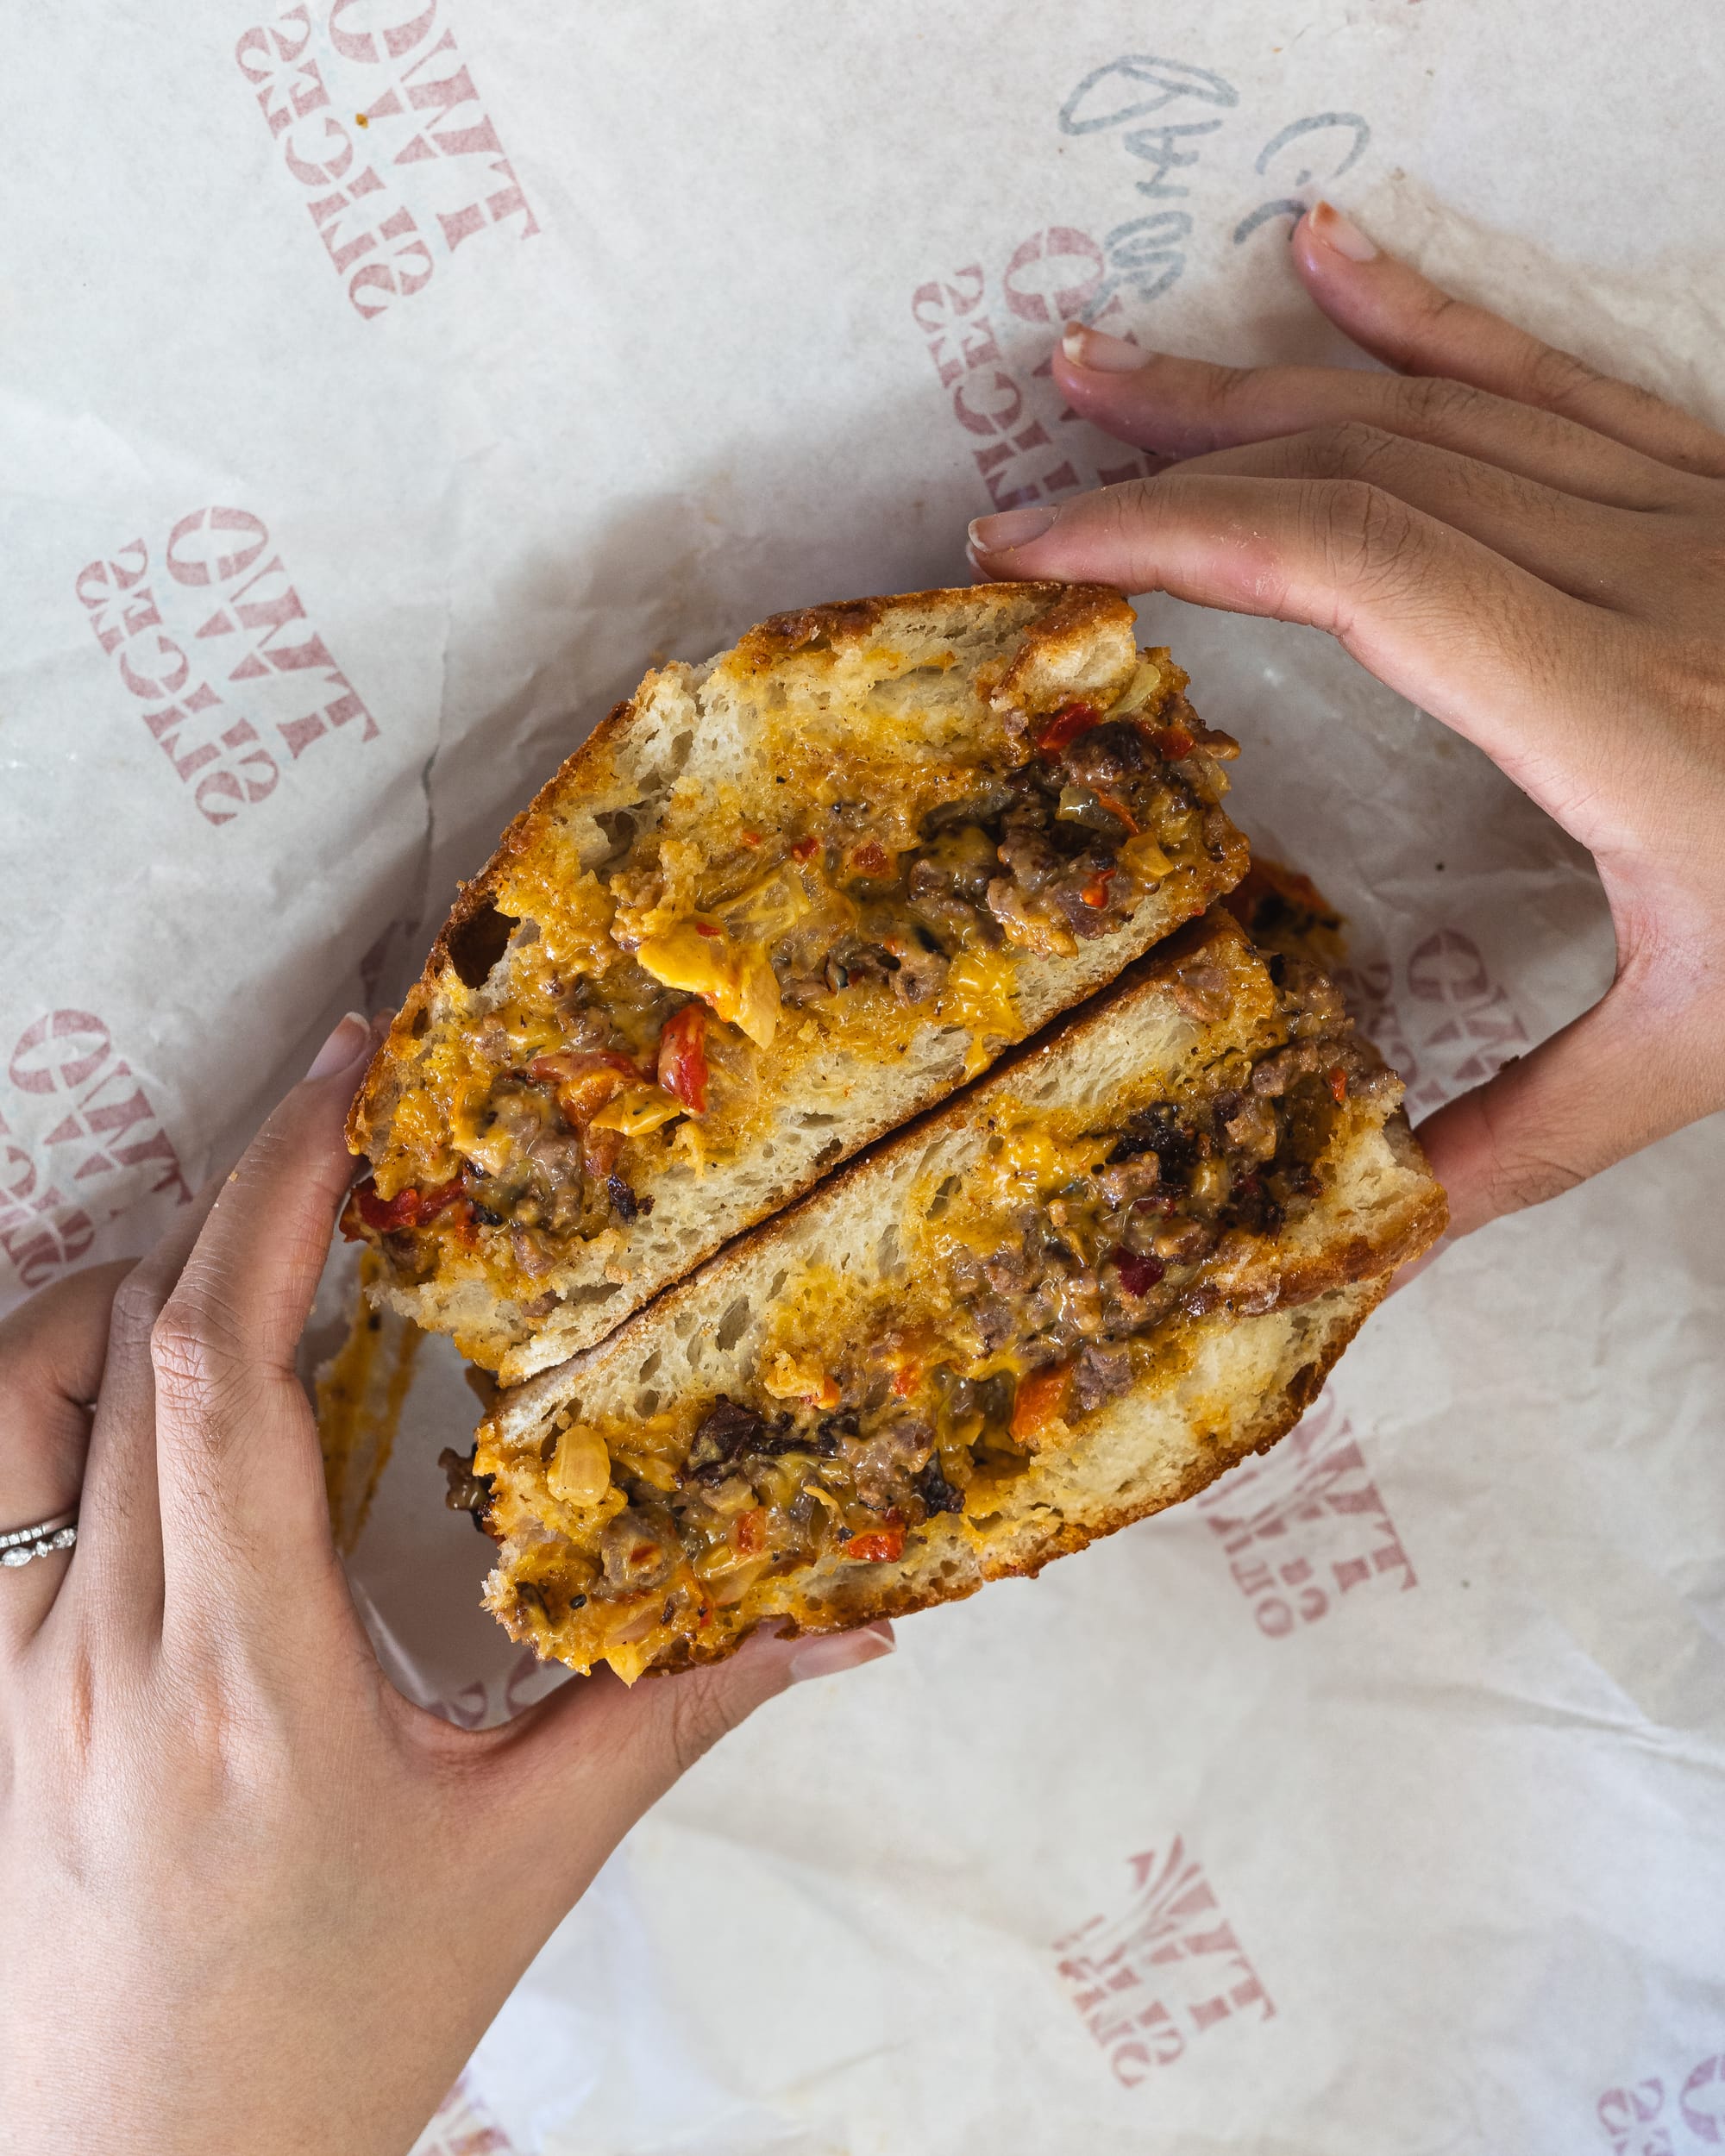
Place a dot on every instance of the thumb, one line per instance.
(1641, 1063)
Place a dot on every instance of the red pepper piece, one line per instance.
(805, 849)
(1040, 1398)
(683, 1057)
(409, 1208)
(1139, 1271)
(750, 1533)
(1095, 892)
(1338, 1077)
(1072, 720)
(880, 1546)
(585, 1080)
(869, 859)
(1117, 807)
(1173, 742)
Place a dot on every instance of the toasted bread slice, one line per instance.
(774, 906)
(1069, 1297)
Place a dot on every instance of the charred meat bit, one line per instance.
(937, 1494)
(1252, 1128)
(639, 1549)
(623, 1197)
(886, 1462)
(1129, 1179)
(921, 973)
(853, 959)
(727, 1429)
(1100, 1374)
(1026, 852)
(1078, 909)
(1202, 992)
(976, 808)
(1107, 754)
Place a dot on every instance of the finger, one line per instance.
(1603, 556)
(1412, 325)
(1185, 408)
(1479, 643)
(118, 1570)
(1642, 1063)
(242, 1496)
(597, 1754)
(52, 1352)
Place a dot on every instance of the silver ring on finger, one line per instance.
(23, 1543)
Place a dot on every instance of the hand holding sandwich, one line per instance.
(1529, 550)
(277, 1903)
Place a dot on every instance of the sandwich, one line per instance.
(773, 906)
(1070, 1296)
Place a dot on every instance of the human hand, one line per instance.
(1535, 554)
(250, 1897)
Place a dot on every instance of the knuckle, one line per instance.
(1226, 386)
(1347, 449)
(1365, 533)
(137, 1304)
(1435, 405)
(1124, 509)
(1557, 379)
(1528, 1178)
(193, 1343)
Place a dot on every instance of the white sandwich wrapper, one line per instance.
(414, 374)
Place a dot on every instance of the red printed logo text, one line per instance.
(1027, 443)
(1304, 1529)
(1443, 1023)
(1681, 2118)
(1168, 1969)
(380, 126)
(93, 1147)
(213, 642)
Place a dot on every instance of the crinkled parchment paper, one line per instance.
(385, 384)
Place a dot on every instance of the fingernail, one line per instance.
(1013, 528)
(843, 1650)
(1340, 233)
(1102, 354)
(345, 1045)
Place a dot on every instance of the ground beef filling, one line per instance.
(1056, 854)
(1046, 1321)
